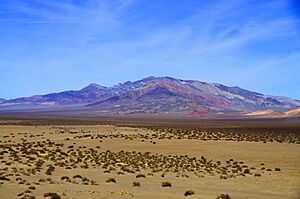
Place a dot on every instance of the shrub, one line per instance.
(52, 195)
(28, 197)
(140, 176)
(111, 180)
(4, 178)
(65, 178)
(77, 176)
(136, 184)
(55, 196)
(31, 187)
(166, 184)
(189, 192)
(223, 196)
(20, 194)
(126, 169)
(49, 171)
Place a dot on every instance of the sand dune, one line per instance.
(267, 113)
(276, 114)
(293, 113)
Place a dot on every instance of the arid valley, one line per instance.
(77, 160)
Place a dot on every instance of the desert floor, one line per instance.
(106, 161)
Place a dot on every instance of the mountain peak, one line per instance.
(93, 86)
(153, 78)
(149, 78)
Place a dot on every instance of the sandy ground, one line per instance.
(262, 159)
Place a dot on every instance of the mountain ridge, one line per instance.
(157, 95)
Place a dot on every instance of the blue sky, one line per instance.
(55, 45)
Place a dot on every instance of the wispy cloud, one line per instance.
(207, 40)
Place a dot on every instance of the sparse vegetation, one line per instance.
(32, 188)
(34, 154)
(140, 176)
(27, 196)
(223, 196)
(50, 170)
(136, 184)
(77, 176)
(111, 180)
(3, 178)
(189, 192)
(52, 195)
(166, 184)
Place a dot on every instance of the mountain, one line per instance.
(161, 95)
(91, 93)
(166, 94)
(157, 95)
(2, 100)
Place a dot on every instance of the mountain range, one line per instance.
(153, 95)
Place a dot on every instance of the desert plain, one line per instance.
(74, 161)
